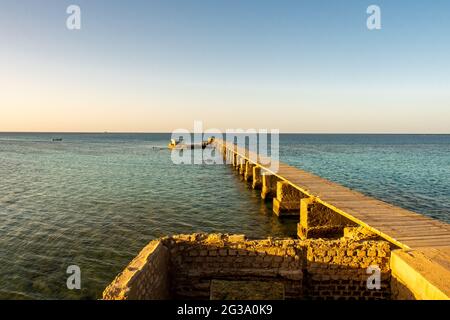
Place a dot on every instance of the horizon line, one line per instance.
(168, 132)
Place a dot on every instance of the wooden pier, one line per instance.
(324, 206)
(347, 240)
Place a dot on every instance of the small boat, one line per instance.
(174, 143)
(57, 139)
(180, 145)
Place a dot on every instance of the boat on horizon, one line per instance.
(179, 144)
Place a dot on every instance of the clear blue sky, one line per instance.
(299, 66)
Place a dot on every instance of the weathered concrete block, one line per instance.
(242, 165)
(257, 180)
(286, 208)
(318, 221)
(268, 189)
(286, 192)
(235, 158)
(248, 171)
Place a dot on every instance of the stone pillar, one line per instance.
(269, 185)
(318, 221)
(242, 165)
(235, 160)
(238, 163)
(305, 208)
(287, 200)
(257, 182)
(248, 171)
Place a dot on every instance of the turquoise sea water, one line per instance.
(94, 200)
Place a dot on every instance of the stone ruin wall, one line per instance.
(182, 266)
(337, 269)
(145, 278)
(198, 259)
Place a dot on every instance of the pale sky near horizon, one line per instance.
(155, 66)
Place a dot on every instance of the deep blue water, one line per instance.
(411, 171)
(94, 200)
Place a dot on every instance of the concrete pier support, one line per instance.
(242, 164)
(287, 200)
(318, 221)
(269, 185)
(248, 171)
(224, 153)
(234, 159)
(257, 181)
(238, 163)
(227, 156)
(305, 212)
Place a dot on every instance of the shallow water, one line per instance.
(94, 200)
